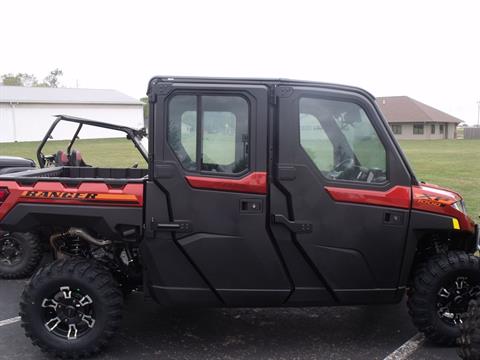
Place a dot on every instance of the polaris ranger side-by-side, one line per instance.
(257, 193)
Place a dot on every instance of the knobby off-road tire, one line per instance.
(22, 255)
(442, 289)
(469, 340)
(71, 308)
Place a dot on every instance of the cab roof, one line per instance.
(254, 81)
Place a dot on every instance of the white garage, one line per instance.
(27, 113)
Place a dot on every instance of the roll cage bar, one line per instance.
(132, 134)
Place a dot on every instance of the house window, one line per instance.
(209, 133)
(441, 129)
(432, 128)
(417, 129)
(397, 129)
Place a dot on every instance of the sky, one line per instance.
(428, 50)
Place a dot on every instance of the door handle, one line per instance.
(179, 226)
(296, 227)
(392, 218)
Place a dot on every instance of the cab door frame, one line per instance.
(224, 236)
(349, 270)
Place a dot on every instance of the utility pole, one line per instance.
(478, 116)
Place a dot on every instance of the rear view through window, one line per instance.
(340, 139)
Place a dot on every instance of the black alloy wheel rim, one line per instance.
(453, 299)
(11, 252)
(68, 314)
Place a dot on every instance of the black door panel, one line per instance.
(169, 274)
(355, 249)
(310, 289)
(229, 244)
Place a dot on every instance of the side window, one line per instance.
(339, 138)
(182, 129)
(316, 143)
(210, 133)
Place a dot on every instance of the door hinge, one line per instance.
(296, 227)
(283, 91)
(272, 97)
(152, 98)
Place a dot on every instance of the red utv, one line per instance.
(257, 193)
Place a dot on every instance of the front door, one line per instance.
(346, 190)
(210, 166)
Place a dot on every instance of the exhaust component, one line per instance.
(87, 237)
(75, 234)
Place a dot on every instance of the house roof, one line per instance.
(39, 95)
(404, 109)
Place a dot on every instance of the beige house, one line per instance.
(412, 119)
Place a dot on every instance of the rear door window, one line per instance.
(210, 133)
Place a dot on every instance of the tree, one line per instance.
(29, 80)
(52, 79)
(21, 79)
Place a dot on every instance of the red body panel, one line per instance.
(255, 183)
(57, 193)
(398, 196)
(434, 199)
(428, 198)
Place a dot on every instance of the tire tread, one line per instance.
(90, 271)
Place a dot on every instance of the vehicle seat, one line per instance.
(61, 158)
(76, 159)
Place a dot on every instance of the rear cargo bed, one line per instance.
(80, 174)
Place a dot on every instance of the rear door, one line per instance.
(347, 193)
(210, 164)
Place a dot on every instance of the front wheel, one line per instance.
(442, 289)
(71, 308)
(469, 340)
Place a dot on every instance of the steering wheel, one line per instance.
(345, 164)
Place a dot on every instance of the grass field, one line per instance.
(99, 152)
(450, 163)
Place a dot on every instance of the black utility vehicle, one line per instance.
(257, 193)
(20, 253)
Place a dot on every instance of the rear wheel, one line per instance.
(442, 289)
(20, 254)
(71, 308)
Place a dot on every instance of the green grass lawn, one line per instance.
(451, 163)
(118, 152)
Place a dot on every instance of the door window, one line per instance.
(339, 138)
(210, 133)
